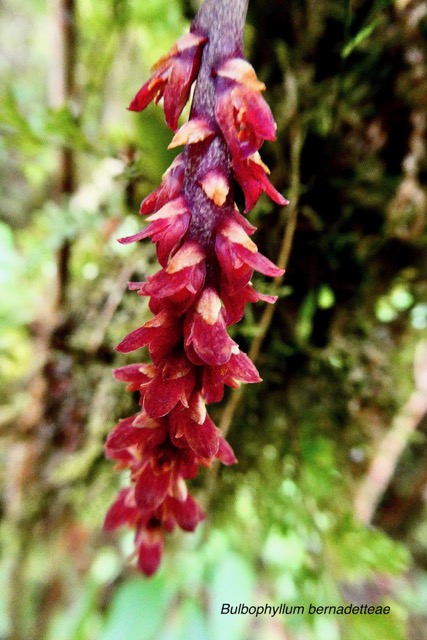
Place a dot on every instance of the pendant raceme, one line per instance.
(207, 259)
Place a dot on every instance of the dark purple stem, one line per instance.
(222, 22)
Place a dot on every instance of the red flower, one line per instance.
(173, 382)
(238, 257)
(252, 173)
(238, 369)
(207, 260)
(235, 304)
(173, 77)
(205, 329)
(161, 334)
(244, 117)
(170, 188)
(159, 463)
(178, 283)
(168, 225)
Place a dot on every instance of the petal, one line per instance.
(167, 240)
(135, 340)
(169, 210)
(167, 227)
(225, 116)
(243, 222)
(123, 435)
(196, 278)
(244, 118)
(235, 232)
(216, 186)
(129, 373)
(265, 297)
(164, 284)
(255, 113)
(197, 408)
(243, 369)
(202, 438)
(234, 303)
(180, 301)
(161, 397)
(180, 491)
(152, 89)
(209, 338)
(163, 393)
(181, 77)
(189, 255)
(133, 238)
(213, 383)
(238, 369)
(133, 374)
(192, 355)
(258, 262)
(188, 514)
(195, 130)
(173, 77)
(176, 366)
(213, 392)
(184, 273)
(169, 189)
(150, 488)
(161, 333)
(209, 306)
(120, 513)
(251, 176)
(177, 91)
(189, 41)
(150, 556)
(235, 273)
(241, 71)
(225, 453)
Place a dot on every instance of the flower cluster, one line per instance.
(207, 260)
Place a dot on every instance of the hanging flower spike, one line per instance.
(207, 259)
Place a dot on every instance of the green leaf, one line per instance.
(74, 623)
(138, 609)
(189, 623)
(304, 326)
(390, 626)
(359, 38)
(233, 583)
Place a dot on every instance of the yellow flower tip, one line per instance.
(209, 306)
(234, 232)
(189, 255)
(198, 409)
(216, 187)
(241, 71)
(194, 130)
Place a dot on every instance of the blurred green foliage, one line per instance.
(337, 364)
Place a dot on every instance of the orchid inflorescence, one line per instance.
(207, 260)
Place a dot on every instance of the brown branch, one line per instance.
(282, 262)
(384, 462)
(110, 307)
(17, 582)
(62, 88)
(410, 196)
(296, 137)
